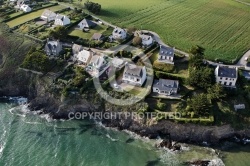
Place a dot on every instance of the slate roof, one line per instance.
(87, 23)
(133, 70)
(47, 13)
(246, 74)
(118, 30)
(61, 17)
(166, 51)
(52, 44)
(166, 84)
(76, 48)
(145, 37)
(224, 71)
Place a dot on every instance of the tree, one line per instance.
(197, 57)
(37, 61)
(131, 30)
(200, 104)
(59, 32)
(201, 77)
(137, 41)
(197, 50)
(93, 7)
(216, 92)
(161, 106)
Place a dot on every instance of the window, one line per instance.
(226, 78)
(221, 78)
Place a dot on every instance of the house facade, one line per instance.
(86, 24)
(147, 40)
(119, 34)
(61, 20)
(166, 55)
(166, 87)
(84, 57)
(53, 48)
(76, 49)
(25, 8)
(48, 15)
(134, 75)
(97, 65)
(226, 76)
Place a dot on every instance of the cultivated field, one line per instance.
(220, 26)
(31, 16)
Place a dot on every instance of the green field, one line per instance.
(31, 16)
(220, 26)
(89, 34)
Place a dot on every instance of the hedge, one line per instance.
(152, 47)
(160, 74)
(127, 40)
(9, 19)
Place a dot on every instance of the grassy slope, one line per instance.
(31, 16)
(222, 27)
(12, 57)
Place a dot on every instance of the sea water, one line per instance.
(29, 139)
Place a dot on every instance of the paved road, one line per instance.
(245, 3)
(242, 61)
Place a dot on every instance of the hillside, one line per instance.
(220, 26)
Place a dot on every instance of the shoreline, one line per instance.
(183, 133)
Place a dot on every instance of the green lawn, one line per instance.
(220, 26)
(31, 16)
(89, 34)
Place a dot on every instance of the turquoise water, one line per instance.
(27, 139)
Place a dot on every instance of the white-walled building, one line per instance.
(86, 24)
(166, 87)
(166, 55)
(48, 15)
(61, 20)
(226, 76)
(119, 34)
(25, 8)
(134, 75)
(84, 57)
(147, 40)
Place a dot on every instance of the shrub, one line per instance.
(169, 68)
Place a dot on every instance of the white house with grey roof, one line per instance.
(48, 15)
(134, 75)
(76, 49)
(61, 20)
(226, 76)
(166, 55)
(84, 57)
(97, 65)
(86, 24)
(147, 40)
(25, 8)
(119, 34)
(53, 48)
(166, 87)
